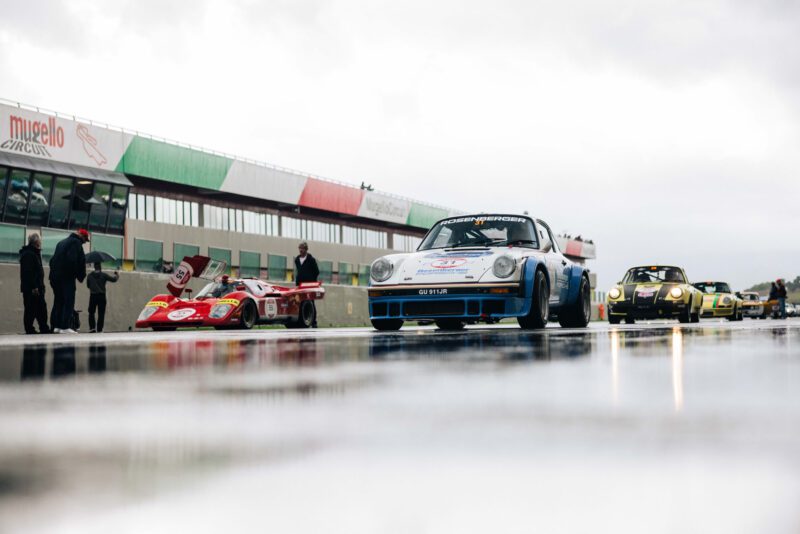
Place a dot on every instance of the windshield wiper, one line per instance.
(515, 242)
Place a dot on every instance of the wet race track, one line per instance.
(645, 428)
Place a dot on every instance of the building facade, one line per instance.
(150, 201)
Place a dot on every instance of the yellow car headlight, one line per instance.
(676, 292)
(726, 301)
(614, 293)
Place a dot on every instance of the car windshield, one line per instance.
(217, 289)
(654, 274)
(713, 287)
(481, 231)
(750, 296)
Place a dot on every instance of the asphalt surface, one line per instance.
(644, 428)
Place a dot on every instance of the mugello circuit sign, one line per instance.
(43, 136)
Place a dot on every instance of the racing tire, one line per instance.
(630, 320)
(386, 325)
(164, 328)
(686, 316)
(249, 316)
(579, 314)
(614, 319)
(306, 316)
(449, 324)
(540, 304)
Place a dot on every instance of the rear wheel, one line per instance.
(579, 313)
(449, 324)
(385, 325)
(306, 316)
(249, 315)
(540, 304)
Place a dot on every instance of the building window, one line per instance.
(405, 243)
(17, 197)
(119, 203)
(346, 274)
(12, 238)
(148, 255)
(249, 264)
(276, 266)
(82, 201)
(39, 205)
(99, 211)
(50, 239)
(110, 244)
(325, 271)
(221, 254)
(3, 183)
(180, 251)
(60, 202)
(363, 275)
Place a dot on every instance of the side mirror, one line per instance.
(547, 246)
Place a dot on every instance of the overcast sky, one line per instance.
(666, 131)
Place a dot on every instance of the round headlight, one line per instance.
(614, 294)
(504, 266)
(676, 292)
(381, 270)
(147, 312)
(726, 301)
(219, 311)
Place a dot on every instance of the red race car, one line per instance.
(228, 302)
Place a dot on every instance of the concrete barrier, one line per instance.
(342, 306)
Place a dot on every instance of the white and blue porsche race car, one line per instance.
(480, 268)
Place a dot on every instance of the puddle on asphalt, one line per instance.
(129, 427)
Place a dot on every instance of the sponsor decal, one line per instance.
(33, 137)
(488, 218)
(384, 206)
(157, 303)
(271, 308)
(645, 292)
(448, 263)
(179, 315)
(232, 302)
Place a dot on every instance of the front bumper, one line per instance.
(717, 312)
(662, 310)
(752, 311)
(468, 302)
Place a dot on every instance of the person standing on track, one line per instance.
(31, 275)
(96, 282)
(67, 265)
(781, 294)
(306, 270)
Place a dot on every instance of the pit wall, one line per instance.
(342, 305)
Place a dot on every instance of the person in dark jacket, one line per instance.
(781, 294)
(305, 266)
(306, 270)
(96, 282)
(67, 265)
(773, 291)
(31, 278)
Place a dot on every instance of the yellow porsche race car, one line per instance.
(654, 292)
(720, 301)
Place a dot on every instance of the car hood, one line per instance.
(452, 266)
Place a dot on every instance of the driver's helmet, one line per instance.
(642, 276)
(673, 275)
(518, 232)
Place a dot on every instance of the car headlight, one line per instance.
(676, 292)
(147, 312)
(614, 294)
(219, 311)
(726, 301)
(381, 270)
(504, 266)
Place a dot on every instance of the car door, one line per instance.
(563, 269)
(553, 262)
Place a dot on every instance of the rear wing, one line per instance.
(194, 267)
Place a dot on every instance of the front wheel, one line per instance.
(630, 320)
(386, 325)
(578, 314)
(249, 315)
(449, 324)
(164, 328)
(540, 304)
(614, 319)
